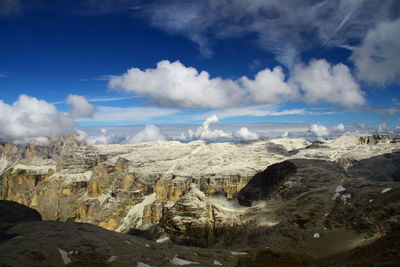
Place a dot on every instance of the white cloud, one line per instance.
(205, 133)
(9, 7)
(80, 107)
(215, 135)
(115, 114)
(245, 134)
(321, 81)
(173, 84)
(269, 87)
(382, 127)
(283, 27)
(318, 130)
(338, 128)
(148, 134)
(29, 118)
(377, 58)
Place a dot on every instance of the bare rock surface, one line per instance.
(12, 213)
(305, 202)
(385, 167)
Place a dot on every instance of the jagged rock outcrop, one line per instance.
(125, 187)
(103, 184)
(190, 221)
(375, 139)
(297, 206)
(31, 242)
(28, 241)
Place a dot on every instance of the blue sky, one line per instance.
(325, 62)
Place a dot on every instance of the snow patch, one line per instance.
(386, 190)
(339, 189)
(236, 253)
(317, 235)
(64, 256)
(3, 165)
(217, 262)
(179, 261)
(112, 258)
(141, 264)
(162, 240)
(344, 197)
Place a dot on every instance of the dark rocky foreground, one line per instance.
(51, 243)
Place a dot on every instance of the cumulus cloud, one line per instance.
(9, 7)
(205, 133)
(148, 134)
(173, 84)
(245, 134)
(377, 58)
(318, 130)
(323, 131)
(80, 107)
(321, 81)
(382, 128)
(338, 128)
(269, 87)
(29, 118)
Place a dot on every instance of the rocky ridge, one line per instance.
(190, 193)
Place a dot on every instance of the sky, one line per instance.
(162, 66)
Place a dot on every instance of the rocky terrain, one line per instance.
(286, 200)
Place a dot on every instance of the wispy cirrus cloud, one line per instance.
(106, 99)
(106, 114)
(383, 112)
(255, 111)
(98, 78)
(280, 26)
(10, 7)
(287, 28)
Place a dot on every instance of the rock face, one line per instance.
(191, 219)
(290, 191)
(263, 183)
(32, 242)
(298, 205)
(50, 243)
(375, 139)
(105, 184)
(385, 167)
(12, 213)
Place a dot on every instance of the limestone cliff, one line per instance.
(124, 187)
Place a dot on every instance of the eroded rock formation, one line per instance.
(189, 193)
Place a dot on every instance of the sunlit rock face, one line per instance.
(104, 184)
(214, 194)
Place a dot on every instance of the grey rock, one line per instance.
(385, 167)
